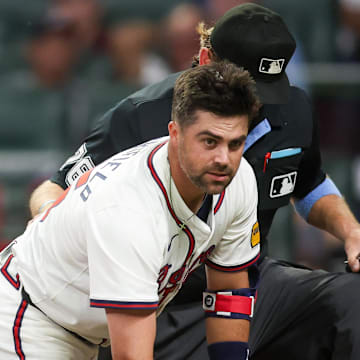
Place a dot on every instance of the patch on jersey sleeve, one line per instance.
(255, 235)
(79, 169)
(79, 154)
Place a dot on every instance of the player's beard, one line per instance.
(201, 178)
(210, 186)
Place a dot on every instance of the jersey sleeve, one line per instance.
(310, 173)
(124, 258)
(240, 245)
(115, 131)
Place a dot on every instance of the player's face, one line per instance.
(210, 150)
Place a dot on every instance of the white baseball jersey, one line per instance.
(122, 237)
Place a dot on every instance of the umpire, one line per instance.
(300, 313)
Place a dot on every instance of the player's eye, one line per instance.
(235, 145)
(209, 142)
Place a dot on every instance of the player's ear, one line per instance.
(173, 129)
(204, 56)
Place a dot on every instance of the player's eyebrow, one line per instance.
(209, 133)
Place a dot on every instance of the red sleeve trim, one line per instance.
(232, 268)
(122, 304)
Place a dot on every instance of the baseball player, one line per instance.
(116, 247)
(300, 314)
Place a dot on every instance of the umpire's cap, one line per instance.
(257, 39)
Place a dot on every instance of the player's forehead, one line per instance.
(206, 123)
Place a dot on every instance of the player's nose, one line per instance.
(222, 155)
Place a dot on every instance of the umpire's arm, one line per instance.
(132, 333)
(44, 196)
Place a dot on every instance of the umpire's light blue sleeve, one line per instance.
(304, 205)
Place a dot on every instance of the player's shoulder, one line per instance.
(245, 180)
(241, 195)
(246, 170)
(125, 175)
(126, 159)
(245, 165)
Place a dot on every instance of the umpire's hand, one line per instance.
(352, 249)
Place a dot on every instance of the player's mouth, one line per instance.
(220, 177)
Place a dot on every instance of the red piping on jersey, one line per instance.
(56, 203)
(83, 179)
(171, 210)
(16, 329)
(232, 268)
(123, 305)
(8, 277)
(219, 202)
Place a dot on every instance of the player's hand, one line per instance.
(352, 249)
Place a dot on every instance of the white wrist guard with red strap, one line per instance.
(235, 304)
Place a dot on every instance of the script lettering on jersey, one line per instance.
(177, 278)
(82, 161)
(85, 193)
(89, 174)
(118, 159)
(163, 274)
(113, 163)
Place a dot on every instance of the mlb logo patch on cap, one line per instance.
(257, 39)
(283, 184)
(271, 66)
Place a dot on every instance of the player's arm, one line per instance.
(227, 335)
(132, 333)
(44, 196)
(232, 276)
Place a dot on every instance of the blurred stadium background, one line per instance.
(65, 62)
